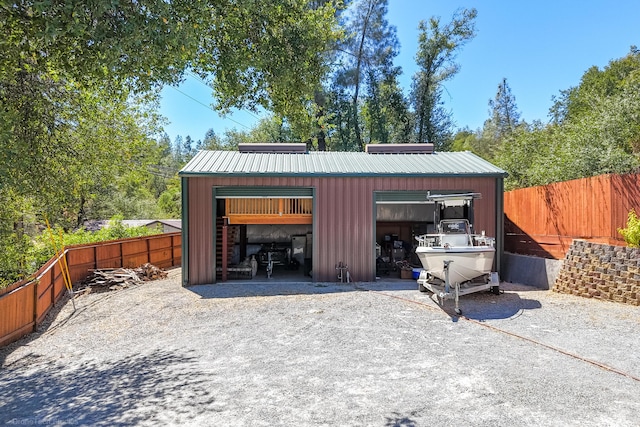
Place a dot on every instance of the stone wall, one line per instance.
(596, 270)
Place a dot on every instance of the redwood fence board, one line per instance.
(107, 252)
(24, 305)
(161, 243)
(544, 220)
(16, 312)
(134, 247)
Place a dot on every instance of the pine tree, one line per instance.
(504, 111)
(187, 149)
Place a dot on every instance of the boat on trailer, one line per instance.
(455, 260)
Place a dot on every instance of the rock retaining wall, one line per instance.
(596, 270)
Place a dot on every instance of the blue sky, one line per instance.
(540, 47)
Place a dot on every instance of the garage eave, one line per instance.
(339, 175)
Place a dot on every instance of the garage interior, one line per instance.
(264, 237)
(398, 222)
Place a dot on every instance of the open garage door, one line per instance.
(272, 225)
(403, 215)
(400, 216)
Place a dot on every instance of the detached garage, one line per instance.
(308, 212)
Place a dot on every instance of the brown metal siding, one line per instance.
(200, 231)
(344, 228)
(343, 219)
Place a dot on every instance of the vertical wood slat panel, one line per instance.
(17, 312)
(544, 220)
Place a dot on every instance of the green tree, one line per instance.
(274, 129)
(505, 116)
(595, 130)
(252, 53)
(595, 85)
(385, 112)
(187, 148)
(211, 141)
(368, 51)
(527, 155)
(268, 54)
(170, 201)
(464, 140)
(162, 166)
(257, 52)
(178, 144)
(438, 45)
(341, 132)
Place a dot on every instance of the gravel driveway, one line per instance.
(369, 354)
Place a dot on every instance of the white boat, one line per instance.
(456, 262)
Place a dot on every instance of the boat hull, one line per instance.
(467, 263)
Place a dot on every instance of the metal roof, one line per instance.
(340, 164)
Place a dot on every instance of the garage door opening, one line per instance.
(264, 236)
(400, 217)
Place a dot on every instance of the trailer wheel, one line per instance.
(495, 290)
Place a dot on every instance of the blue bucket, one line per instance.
(416, 273)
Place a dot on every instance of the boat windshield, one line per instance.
(454, 227)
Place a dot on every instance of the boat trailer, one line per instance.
(443, 290)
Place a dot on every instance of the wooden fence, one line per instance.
(543, 221)
(24, 305)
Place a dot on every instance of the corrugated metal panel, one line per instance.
(225, 163)
(201, 233)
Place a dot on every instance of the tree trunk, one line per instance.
(322, 144)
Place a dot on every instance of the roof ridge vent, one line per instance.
(411, 148)
(273, 147)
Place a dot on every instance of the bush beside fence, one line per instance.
(24, 305)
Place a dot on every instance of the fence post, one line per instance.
(173, 251)
(53, 281)
(36, 285)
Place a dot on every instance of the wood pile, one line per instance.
(148, 272)
(119, 278)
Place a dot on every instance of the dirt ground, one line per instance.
(304, 354)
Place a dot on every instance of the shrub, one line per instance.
(21, 255)
(631, 233)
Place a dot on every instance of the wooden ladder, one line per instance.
(232, 232)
